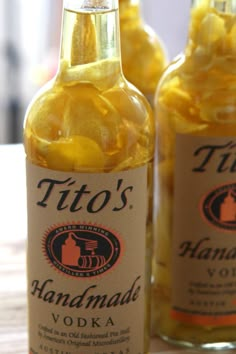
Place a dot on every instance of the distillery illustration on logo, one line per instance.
(219, 207)
(82, 250)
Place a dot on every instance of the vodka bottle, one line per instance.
(89, 141)
(194, 269)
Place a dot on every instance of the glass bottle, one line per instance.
(195, 106)
(89, 141)
(143, 55)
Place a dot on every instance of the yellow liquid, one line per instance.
(89, 119)
(196, 97)
(143, 54)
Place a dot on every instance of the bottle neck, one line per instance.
(212, 30)
(129, 3)
(130, 11)
(90, 34)
(221, 6)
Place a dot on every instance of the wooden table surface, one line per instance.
(13, 314)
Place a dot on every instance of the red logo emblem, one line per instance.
(219, 207)
(82, 250)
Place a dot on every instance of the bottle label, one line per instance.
(204, 230)
(86, 261)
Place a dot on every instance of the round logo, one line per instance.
(82, 250)
(219, 207)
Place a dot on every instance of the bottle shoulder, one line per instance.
(172, 70)
(112, 125)
(144, 63)
(196, 99)
(58, 96)
(142, 33)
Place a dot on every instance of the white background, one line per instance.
(169, 19)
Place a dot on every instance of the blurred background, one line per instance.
(29, 49)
